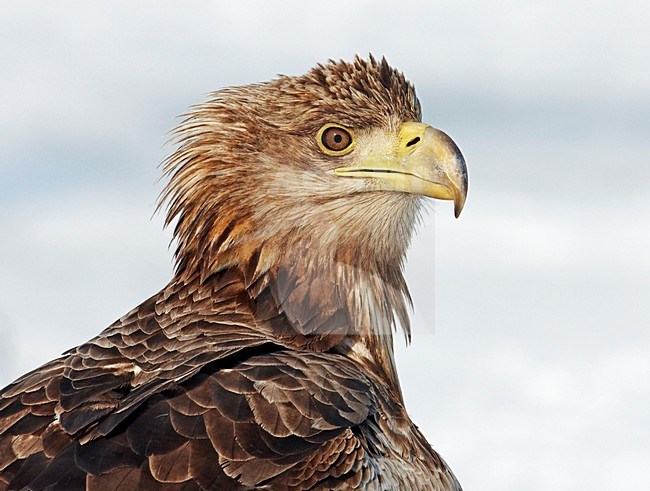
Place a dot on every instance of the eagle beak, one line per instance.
(424, 161)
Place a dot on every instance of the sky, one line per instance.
(530, 362)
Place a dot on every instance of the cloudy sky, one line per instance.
(530, 366)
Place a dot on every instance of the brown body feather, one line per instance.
(267, 361)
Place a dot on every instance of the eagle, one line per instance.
(267, 361)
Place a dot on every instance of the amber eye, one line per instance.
(335, 140)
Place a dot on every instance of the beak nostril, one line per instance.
(413, 141)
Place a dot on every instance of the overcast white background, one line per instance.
(530, 366)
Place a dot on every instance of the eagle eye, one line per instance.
(335, 140)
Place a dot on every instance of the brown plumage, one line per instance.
(267, 361)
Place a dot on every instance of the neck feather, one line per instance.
(307, 296)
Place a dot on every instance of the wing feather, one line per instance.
(169, 399)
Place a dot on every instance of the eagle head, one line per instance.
(336, 161)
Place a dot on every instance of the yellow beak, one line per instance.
(423, 161)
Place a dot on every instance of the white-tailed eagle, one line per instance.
(267, 361)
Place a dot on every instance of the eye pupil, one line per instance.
(336, 139)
